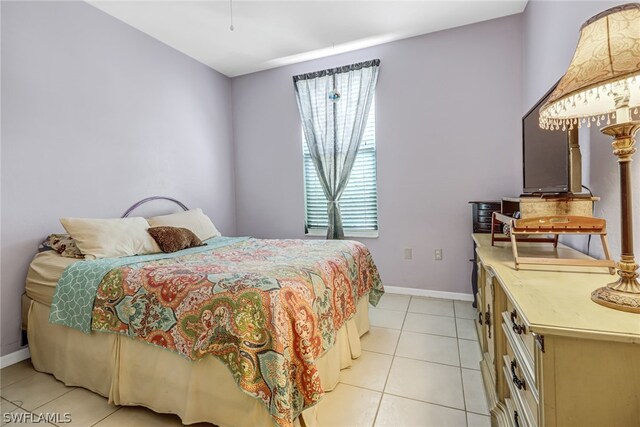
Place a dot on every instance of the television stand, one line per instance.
(563, 204)
(545, 205)
(556, 195)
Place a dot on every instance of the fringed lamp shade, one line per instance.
(603, 83)
(605, 64)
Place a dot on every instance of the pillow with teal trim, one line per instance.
(63, 244)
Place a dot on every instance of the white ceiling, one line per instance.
(270, 34)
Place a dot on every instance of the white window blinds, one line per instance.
(359, 201)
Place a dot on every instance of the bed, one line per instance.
(242, 332)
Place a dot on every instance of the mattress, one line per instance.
(43, 275)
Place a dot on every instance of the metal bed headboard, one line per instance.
(149, 199)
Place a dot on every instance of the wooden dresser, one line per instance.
(481, 216)
(552, 357)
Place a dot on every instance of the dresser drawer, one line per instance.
(479, 321)
(513, 415)
(482, 227)
(484, 216)
(491, 206)
(521, 393)
(489, 327)
(520, 330)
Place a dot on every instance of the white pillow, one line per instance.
(194, 219)
(111, 238)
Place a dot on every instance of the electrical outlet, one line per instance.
(408, 253)
(437, 255)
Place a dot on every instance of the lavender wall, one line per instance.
(448, 131)
(550, 35)
(97, 115)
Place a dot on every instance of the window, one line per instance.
(359, 201)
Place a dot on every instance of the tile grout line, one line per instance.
(378, 352)
(423, 360)
(56, 398)
(23, 379)
(436, 363)
(431, 314)
(33, 411)
(460, 367)
(464, 397)
(417, 312)
(104, 418)
(429, 403)
(478, 413)
(435, 335)
(393, 358)
(11, 403)
(426, 333)
(395, 355)
(46, 403)
(422, 333)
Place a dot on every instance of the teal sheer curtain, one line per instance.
(334, 105)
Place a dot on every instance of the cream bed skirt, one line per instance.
(129, 372)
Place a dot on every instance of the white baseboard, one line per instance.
(15, 357)
(428, 293)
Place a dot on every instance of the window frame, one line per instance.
(348, 231)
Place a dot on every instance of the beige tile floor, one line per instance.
(419, 367)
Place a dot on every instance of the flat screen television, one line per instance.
(550, 158)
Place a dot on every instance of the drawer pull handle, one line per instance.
(516, 419)
(518, 329)
(480, 317)
(487, 319)
(517, 381)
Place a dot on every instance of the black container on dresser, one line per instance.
(482, 211)
(482, 215)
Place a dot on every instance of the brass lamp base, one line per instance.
(623, 294)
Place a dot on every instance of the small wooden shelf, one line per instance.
(554, 225)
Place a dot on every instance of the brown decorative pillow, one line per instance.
(172, 239)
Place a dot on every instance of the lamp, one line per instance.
(603, 83)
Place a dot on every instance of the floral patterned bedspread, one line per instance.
(266, 308)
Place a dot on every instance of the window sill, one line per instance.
(369, 234)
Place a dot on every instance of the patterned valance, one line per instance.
(337, 70)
